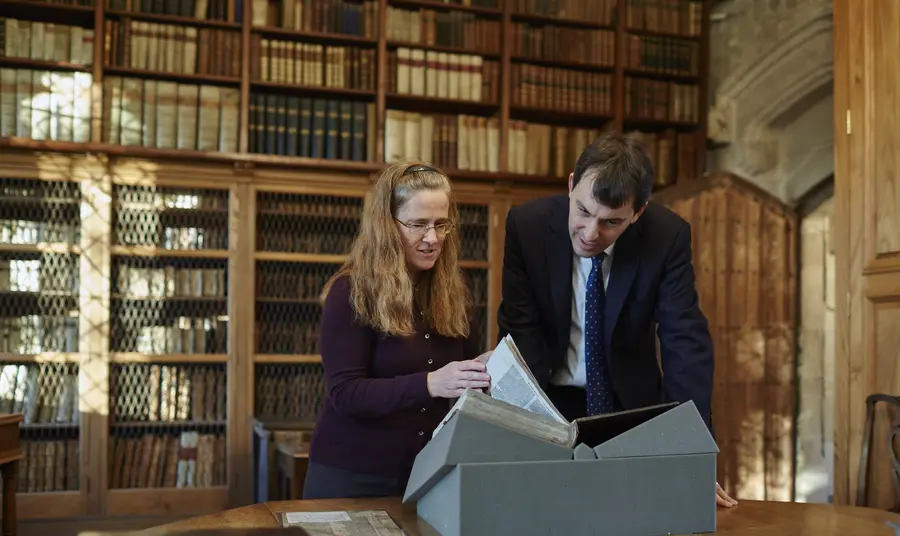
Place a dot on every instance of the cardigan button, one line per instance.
(421, 432)
(430, 361)
(427, 335)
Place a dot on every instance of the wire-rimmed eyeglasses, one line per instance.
(421, 229)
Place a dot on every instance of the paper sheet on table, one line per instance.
(343, 523)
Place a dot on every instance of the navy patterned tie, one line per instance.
(599, 391)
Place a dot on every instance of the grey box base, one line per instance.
(616, 497)
(653, 473)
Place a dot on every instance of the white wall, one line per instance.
(815, 423)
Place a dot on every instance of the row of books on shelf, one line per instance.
(170, 115)
(41, 393)
(289, 392)
(313, 65)
(334, 241)
(54, 330)
(276, 282)
(681, 17)
(677, 17)
(48, 193)
(146, 329)
(599, 12)
(151, 198)
(133, 282)
(279, 282)
(472, 143)
(171, 282)
(35, 232)
(49, 465)
(79, 3)
(662, 101)
(188, 459)
(663, 55)
(331, 16)
(151, 113)
(214, 10)
(414, 71)
(276, 335)
(454, 29)
(33, 275)
(318, 128)
(674, 155)
(553, 88)
(537, 149)
(310, 206)
(462, 142)
(138, 232)
(45, 105)
(555, 43)
(161, 393)
(46, 41)
(172, 48)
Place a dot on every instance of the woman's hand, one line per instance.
(453, 378)
(483, 358)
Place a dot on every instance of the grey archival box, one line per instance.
(643, 472)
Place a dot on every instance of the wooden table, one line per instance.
(10, 454)
(749, 518)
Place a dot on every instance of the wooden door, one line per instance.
(867, 226)
(743, 242)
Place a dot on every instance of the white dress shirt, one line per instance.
(573, 373)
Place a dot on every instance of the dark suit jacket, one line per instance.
(651, 283)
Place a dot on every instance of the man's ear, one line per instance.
(639, 212)
(571, 178)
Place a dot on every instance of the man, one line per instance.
(588, 278)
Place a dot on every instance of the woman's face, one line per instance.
(422, 222)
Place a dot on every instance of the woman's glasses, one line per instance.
(421, 229)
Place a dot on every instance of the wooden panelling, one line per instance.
(867, 224)
(883, 150)
(744, 259)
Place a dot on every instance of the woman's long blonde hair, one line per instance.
(381, 289)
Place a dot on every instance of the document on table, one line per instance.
(349, 523)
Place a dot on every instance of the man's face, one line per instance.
(593, 227)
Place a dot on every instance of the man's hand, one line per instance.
(722, 498)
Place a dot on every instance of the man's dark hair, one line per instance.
(620, 168)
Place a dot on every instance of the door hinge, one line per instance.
(848, 305)
(848, 122)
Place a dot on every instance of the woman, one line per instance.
(397, 339)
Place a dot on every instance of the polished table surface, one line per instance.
(750, 518)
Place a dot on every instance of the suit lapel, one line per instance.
(558, 250)
(626, 259)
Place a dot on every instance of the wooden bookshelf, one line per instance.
(215, 157)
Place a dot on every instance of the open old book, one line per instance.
(517, 402)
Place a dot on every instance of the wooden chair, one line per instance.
(861, 490)
(291, 463)
(10, 454)
(266, 435)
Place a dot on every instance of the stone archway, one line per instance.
(772, 70)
